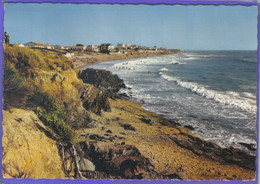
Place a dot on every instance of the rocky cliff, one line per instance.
(70, 123)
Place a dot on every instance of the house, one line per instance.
(47, 46)
(121, 46)
(78, 48)
(38, 45)
(58, 47)
(65, 48)
(92, 48)
(21, 45)
(69, 55)
(34, 45)
(106, 47)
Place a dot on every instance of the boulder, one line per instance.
(86, 165)
(128, 127)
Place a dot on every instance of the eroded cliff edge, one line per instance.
(93, 132)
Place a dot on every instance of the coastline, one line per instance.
(172, 149)
(170, 136)
(119, 137)
(91, 58)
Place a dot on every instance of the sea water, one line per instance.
(214, 91)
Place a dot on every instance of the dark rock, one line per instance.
(248, 146)
(97, 137)
(213, 151)
(128, 127)
(109, 131)
(124, 95)
(104, 80)
(189, 127)
(173, 176)
(120, 161)
(93, 99)
(147, 121)
(19, 120)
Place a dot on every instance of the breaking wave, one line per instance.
(228, 98)
(164, 69)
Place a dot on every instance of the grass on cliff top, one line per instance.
(24, 58)
(21, 90)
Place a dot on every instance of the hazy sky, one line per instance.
(170, 26)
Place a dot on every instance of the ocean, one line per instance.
(213, 91)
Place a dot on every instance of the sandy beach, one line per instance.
(90, 58)
(79, 116)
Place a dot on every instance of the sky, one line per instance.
(200, 27)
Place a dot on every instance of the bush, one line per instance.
(45, 100)
(15, 92)
(66, 132)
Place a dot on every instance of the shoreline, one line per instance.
(91, 58)
(161, 136)
(246, 147)
(118, 136)
(171, 148)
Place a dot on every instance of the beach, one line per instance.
(82, 116)
(90, 58)
(219, 86)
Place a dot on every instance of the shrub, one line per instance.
(66, 132)
(15, 92)
(45, 100)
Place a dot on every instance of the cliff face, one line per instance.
(42, 79)
(27, 151)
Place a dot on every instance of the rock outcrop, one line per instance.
(118, 161)
(93, 99)
(213, 151)
(104, 80)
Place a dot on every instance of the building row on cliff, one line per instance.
(104, 48)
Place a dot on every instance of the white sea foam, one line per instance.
(228, 98)
(139, 64)
(175, 62)
(164, 69)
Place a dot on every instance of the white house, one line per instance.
(69, 55)
(34, 45)
(38, 45)
(92, 48)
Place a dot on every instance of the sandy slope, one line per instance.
(27, 151)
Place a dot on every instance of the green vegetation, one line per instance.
(25, 72)
(15, 91)
(25, 58)
(52, 120)
(45, 100)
